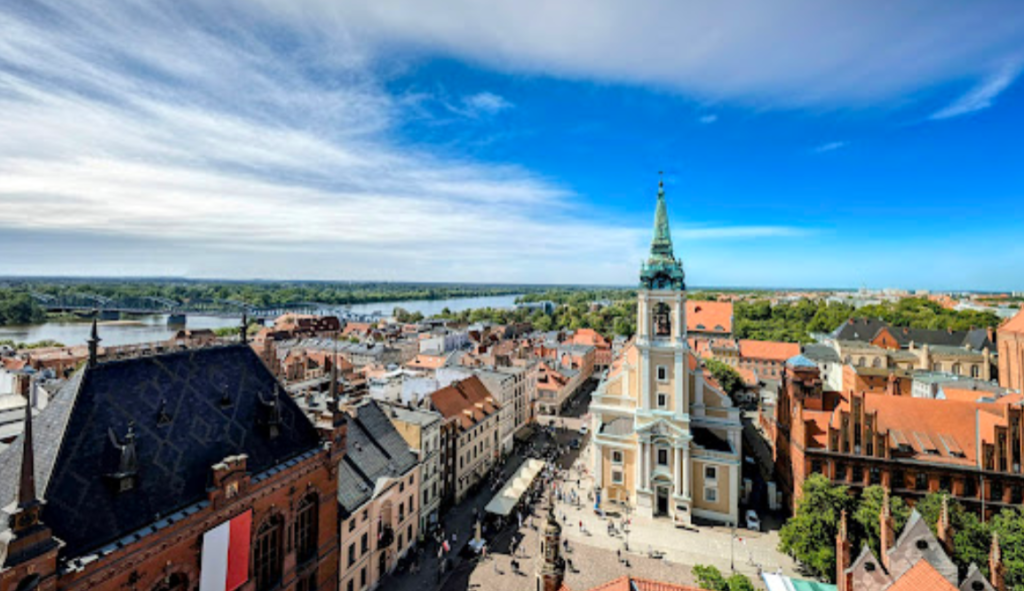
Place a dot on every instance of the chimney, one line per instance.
(844, 581)
(996, 574)
(887, 532)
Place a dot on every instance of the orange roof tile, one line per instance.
(773, 350)
(942, 425)
(920, 577)
(589, 336)
(467, 401)
(709, 316)
(628, 583)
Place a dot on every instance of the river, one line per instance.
(147, 329)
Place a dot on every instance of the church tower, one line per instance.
(662, 416)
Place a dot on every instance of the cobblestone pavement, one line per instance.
(594, 552)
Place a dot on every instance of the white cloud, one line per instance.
(829, 147)
(790, 53)
(708, 119)
(485, 103)
(138, 137)
(983, 95)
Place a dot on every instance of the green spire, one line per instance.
(661, 246)
(662, 270)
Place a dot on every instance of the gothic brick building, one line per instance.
(124, 478)
(969, 448)
(1011, 353)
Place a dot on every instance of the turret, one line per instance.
(996, 570)
(886, 532)
(843, 558)
(94, 344)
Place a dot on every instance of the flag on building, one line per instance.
(225, 562)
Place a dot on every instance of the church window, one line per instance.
(711, 473)
(975, 371)
(268, 553)
(711, 495)
(663, 457)
(617, 476)
(306, 528)
(662, 322)
(662, 400)
(616, 457)
(662, 373)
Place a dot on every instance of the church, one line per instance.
(666, 438)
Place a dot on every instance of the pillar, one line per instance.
(686, 471)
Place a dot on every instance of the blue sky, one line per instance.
(804, 143)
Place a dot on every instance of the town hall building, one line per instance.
(666, 439)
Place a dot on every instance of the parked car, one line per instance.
(753, 521)
(583, 430)
(574, 444)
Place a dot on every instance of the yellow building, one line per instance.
(666, 439)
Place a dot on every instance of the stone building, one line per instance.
(969, 447)
(1011, 353)
(666, 439)
(378, 497)
(136, 470)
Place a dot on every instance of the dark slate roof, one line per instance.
(865, 329)
(374, 453)
(618, 426)
(859, 329)
(74, 452)
(821, 353)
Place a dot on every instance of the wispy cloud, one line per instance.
(829, 147)
(708, 119)
(485, 103)
(141, 139)
(792, 53)
(983, 95)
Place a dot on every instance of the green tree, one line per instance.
(710, 578)
(740, 582)
(727, 376)
(810, 535)
(867, 516)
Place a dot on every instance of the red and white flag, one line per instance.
(226, 555)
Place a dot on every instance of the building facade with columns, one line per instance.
(666, 439)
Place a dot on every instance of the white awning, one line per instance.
(515, 488)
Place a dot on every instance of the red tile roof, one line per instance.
(467, 401)
(922, 576)
(709, 316)
(628, 583)
(589, 336)
(772, 350)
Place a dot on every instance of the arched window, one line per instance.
(662, 320)
(268, 555)
(306, 529)
(956, 368)
(975, 371)
(877, 362)
(936, 366)
(861, 361)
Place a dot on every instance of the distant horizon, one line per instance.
(589, 286)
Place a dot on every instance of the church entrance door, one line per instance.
(662, 506)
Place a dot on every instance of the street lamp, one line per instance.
(732, 552)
